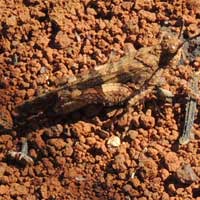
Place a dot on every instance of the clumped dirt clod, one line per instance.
(44, 44)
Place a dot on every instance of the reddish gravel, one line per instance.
(90, 154)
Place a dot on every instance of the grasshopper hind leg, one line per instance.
(108, 94)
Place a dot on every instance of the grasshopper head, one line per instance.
(171, 44)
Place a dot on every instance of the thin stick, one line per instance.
(22, 156)
(190, 114)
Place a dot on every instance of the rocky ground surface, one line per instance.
(90, 154)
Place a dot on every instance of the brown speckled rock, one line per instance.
(186, 174)
(6, 121)
(172, 162)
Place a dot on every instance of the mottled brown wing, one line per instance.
(134, 67)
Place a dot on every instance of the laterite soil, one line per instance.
(42, 44)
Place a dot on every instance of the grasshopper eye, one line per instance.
(167, 37)
(173, 48)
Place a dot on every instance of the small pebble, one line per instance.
(114, 141)
(186, 174)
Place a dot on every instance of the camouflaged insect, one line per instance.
(106, 84)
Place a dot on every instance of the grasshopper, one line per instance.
(106, 84)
